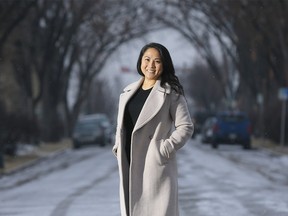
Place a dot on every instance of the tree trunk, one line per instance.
(52, 129)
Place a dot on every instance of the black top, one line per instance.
(132, 111)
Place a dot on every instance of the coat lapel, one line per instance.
(129, 91)
(126, 95)
(152, 105)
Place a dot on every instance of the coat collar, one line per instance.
(134, 86)
(151, 106)
(153, 103)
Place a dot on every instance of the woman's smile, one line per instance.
(151, 64)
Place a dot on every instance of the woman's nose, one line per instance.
(152, 64)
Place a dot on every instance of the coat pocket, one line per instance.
(160, 156)
(114, 150)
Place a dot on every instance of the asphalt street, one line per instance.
(228, 181)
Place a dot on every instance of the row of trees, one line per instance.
(250, 61)
(243, 47)
(51, 41)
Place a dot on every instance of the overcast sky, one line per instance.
(181, 51)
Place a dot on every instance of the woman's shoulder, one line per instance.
(173, 94)
(167, 88)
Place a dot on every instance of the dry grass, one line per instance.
(265, 143)
(44, 149)
(12, 163)
(48, 148)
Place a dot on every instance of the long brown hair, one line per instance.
(168, 74)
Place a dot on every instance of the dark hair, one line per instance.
(168, 74)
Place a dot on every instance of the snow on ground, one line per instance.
(228, 181)
(57, 190)
(217, 185)
(266, 162)
(25, 149)
(43, 167)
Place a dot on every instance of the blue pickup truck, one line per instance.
(229, 127)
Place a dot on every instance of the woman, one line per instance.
(153, 123)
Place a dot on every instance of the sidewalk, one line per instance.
(18, 162)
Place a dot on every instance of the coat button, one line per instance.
(151, 137)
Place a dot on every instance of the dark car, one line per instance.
(92, 129)
(229, 128)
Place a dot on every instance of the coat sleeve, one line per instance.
(183, 126)
(117, 133)
(116, 144)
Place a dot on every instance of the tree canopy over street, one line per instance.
(43, 44)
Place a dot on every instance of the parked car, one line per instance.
(228, 128)
(92, 129)
(207, 130)
(198, 119)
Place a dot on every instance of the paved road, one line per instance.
(224, 182)
(230, 182)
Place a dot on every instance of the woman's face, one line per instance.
(151, 64)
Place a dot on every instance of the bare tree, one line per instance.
(189, 18)
(12, 12)
(209, 96)
(70, 38)
(109, 24)
(42, 56)
(251, 34)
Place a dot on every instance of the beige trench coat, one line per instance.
(163, 126)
